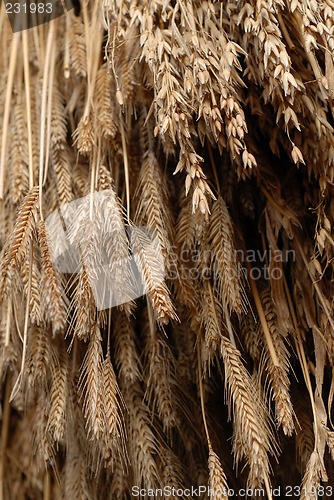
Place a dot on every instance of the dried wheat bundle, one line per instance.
(166, 250)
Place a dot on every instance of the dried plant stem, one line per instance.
(48, 58)
(126, 171)
(316, 286)
(301, 356)
(311, 57)
(262, 316)
(28, 106)
(92, 184)
(2, 17)
(49, 109)
(285, 31)
(67, 47)
(87, 40)
(46, 489)
(199, 362)
(11, 73)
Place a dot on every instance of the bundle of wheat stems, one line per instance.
(210, 123)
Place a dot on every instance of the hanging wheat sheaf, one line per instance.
(211, 125)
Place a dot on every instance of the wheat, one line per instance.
(39, 355)
(311, 479)
(116, 246)
(195, 142)
(224, 258)
(142, 446)
(172, 471)
(106, 105)
(84, 133)
(59, 397)
(252, 436)
(35, 292)
(113, 408)
(212, 322)
(149, 265)
(77, 46)
(76, 483)
(304, 428)
(54, 299)
(18, 156)
(162, 386)
(126, 351)
(152, 209)
(60, 153)
(278, 374)
(217, 478)
(91, 383)
(84, 306)
(23, 231)
(42, 441)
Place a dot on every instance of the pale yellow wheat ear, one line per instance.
(163, 391)
(148, 257)
(53, 296)
(278, 374)
(217, 482)
(59, 411)
(217, 479)
(226, 268)
(253, 439)
(90, 385)
(25, 224)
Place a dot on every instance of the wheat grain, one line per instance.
(224, 258)
(147, 259)
(113, 408)
(90, 384)
(106, 108)
(278, 374)
(311, 479)
(161, 382)
(126, 351)
(142, 446)
(217, 478)
(59, 397)
(39, 355)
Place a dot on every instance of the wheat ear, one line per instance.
(150, 267)
(54, 299)
(23, 230)
(226, 270)
(90, 384)
(279, 378)
(59, 397)
(255, 441)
